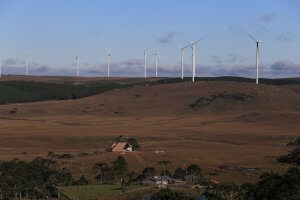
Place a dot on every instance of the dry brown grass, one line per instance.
(231, 133)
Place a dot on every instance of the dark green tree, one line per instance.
(120, 166)
(100, 169)
(194, 169)
(134, 143)
(148, 172)
(179, 174)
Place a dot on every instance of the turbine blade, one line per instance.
(189, 44)
(253, 38)
(199, 40)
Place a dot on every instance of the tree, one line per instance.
(134, 143)
(229, 191)
(273, 186)
(37, 179)
(194, 173)
(107, 175)
(98, 169)
(120, 166)
(248, 191)
(194, 169)
(164, 163)
(148, 172)
(179, 174)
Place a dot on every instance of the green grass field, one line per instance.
(97, 191)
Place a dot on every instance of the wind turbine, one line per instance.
(193, 46)
(257, 55)
(145, 63)
(77, 64)
(26, 63)
(182, 57)
(108, 63)
(156, 58)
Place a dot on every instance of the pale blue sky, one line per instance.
(54, 31)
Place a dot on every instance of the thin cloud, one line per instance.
(132, 61)
(43, 68)
(285, 66)
(268, 17)
(168, 37)
(224, 66)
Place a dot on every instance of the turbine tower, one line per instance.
(26, 63)
(108, 63)
(193, 46)
(145, 63)
(77, 64)
(156, 58)
(257, 55)
(182, 57)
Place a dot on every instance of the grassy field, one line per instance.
(98, 191)
(223, 136)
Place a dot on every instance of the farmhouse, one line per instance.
(121, 146)
(159, 181)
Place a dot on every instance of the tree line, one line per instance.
(30, 91)
(41, 179)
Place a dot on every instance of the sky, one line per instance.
(54, 32)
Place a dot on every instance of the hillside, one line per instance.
(235, 125)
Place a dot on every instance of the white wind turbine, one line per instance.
(77, 65)
(26, 63)
(193, 46)
(182, 58)
(257, 55)
(108, 63)
(156, 59)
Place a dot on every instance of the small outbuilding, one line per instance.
(158, 181)
(121, 147)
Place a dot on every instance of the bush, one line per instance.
(293, 157)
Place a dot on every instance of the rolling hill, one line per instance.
(213, 123)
